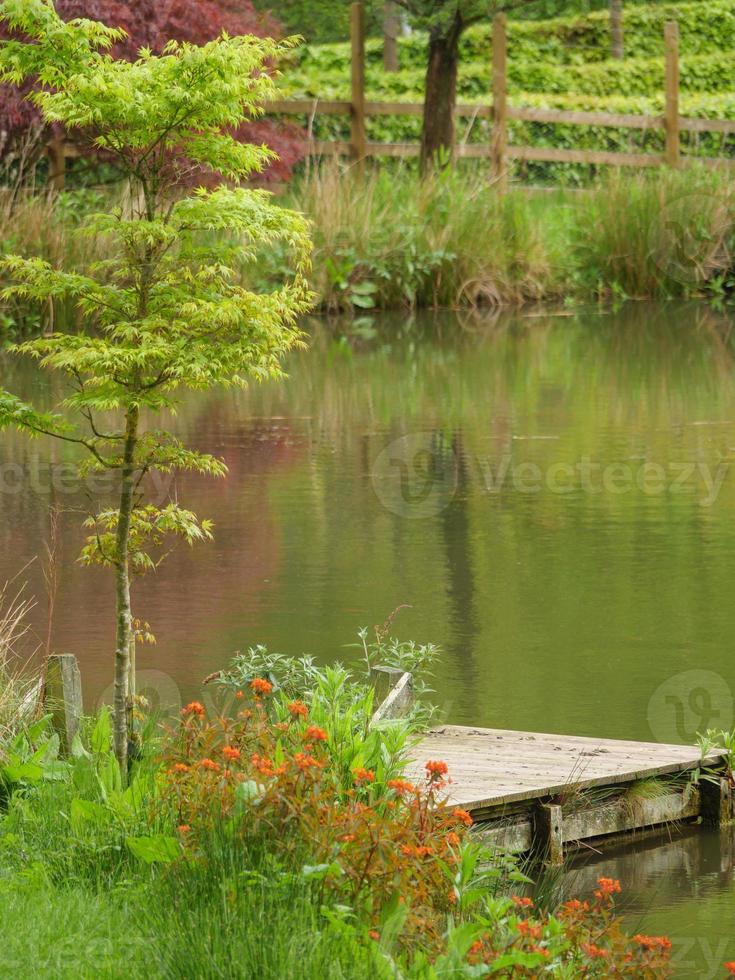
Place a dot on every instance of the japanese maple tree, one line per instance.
(166, 310)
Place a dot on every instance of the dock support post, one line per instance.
(548, 839)
(64, 695)
(716, 801)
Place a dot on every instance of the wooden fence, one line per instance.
(498, 149)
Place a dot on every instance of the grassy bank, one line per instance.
(454, 241)
(392, 242)
(275, 836)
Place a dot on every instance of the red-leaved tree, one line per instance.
(150, 24)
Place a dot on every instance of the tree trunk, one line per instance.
(391, 30)
(617, 48)
(124, 636)
(437, 136)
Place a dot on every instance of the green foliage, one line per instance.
(561, 63)
(163, 309)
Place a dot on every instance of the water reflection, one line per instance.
(563, 570)
(682, 888)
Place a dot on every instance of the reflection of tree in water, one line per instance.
(461, 590)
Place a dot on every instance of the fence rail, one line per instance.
(498, 149)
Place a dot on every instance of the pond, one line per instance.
(551, 496)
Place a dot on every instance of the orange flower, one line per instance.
(239, 695)
(374, 934)
(594, 952)
(522, 902)
(262, 764)
(452, 897)
(184, 828)
(401, 786)
(730, 967)
(193, 708)
(452, 839)
(347, 838)
(608, 887)
(526, 929)
(475, 948)
(436, 769)
(180, 767)
(305, 761)
(363, 775)
(231, 753)
(210, 764)
(653, 942)
(260, 686)
(315, 734)
(298, 709)
(574, 905)
(464, 817)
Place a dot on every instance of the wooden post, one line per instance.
(359, 139)
(716, 801)
(499, 145)
(56, 156)
(671, 113)
(64, 695)
(391, 30)
(383, 679)
(548, 839)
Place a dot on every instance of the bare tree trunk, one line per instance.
(617, 48)
(124, 636)
(437, 136)
(391, 30)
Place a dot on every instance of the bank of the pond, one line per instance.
(453, 241)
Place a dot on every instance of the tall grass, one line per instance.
(17, 688)
(390, 240)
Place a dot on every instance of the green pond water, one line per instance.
(553, 497)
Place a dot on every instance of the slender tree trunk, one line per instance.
(391, 30)
(124, 636)
(617, 48)
(437, 137)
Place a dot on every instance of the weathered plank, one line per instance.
(576, 117)
(398, 701)
(64, 695)
(492, 767)
(550, 154)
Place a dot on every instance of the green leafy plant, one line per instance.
(163, 311)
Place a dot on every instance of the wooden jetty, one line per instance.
(531, 791)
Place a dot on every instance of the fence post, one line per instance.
(64, 695)
(358, 87)
(499, 144)
(671, 113)
(391, 30)
(56, 156)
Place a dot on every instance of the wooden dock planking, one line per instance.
(491, 767)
